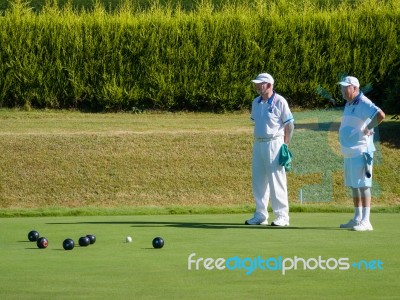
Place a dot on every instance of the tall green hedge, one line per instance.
(170, 59)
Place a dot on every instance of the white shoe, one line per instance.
(257, 220)
(350, 224)
(363, 226)
(280, 221)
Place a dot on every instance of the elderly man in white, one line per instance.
(273, 126)
(356, 132)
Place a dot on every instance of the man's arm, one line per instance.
(289, 128)
(376, 120)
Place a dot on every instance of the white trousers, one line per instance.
(269, 179)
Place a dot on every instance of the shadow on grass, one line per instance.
(201, 225)
(36, 248)
(388, 132)
(321, 126)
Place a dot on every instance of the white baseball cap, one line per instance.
(263, 77)
(350, 80)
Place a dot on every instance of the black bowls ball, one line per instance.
(33, 236)
(84, 241)
(68, 244)
(92, 238)
(42, 243)
(158, 242)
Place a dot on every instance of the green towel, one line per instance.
(285, 157)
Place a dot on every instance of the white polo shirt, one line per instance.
(356, 116)
(271, 116)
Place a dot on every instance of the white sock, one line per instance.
(365, 213)
(358, 213)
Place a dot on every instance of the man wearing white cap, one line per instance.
(273, 126)
(360, 116)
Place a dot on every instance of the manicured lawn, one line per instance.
(113, 269)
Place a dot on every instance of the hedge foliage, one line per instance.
(167, 58)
